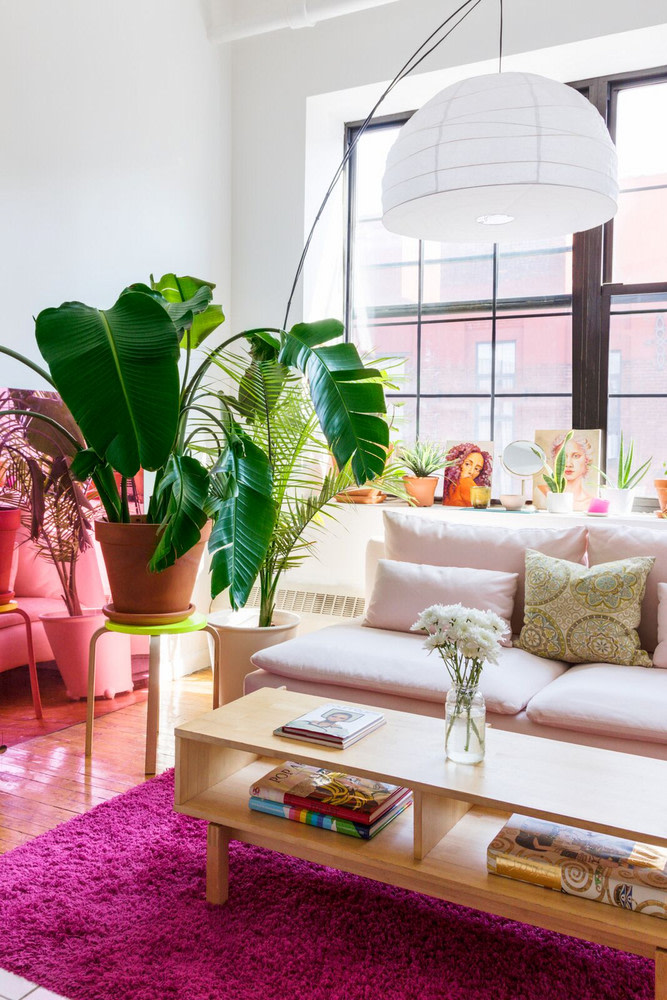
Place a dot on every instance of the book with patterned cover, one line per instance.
(611, 870)
(335, 823)
(362, 800)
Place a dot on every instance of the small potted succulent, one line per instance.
(621, 494)
(559, 501)
(422, 462)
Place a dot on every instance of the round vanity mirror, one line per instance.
(524, 459)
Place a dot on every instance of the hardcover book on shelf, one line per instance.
(610, 870)
(347, 796)
(335, 823)
(332, 725)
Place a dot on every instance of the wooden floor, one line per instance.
(46, 781)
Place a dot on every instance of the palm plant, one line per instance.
(36, 460)
(279, 417)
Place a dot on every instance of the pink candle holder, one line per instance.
(598, 507)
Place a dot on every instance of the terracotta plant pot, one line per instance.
(127, 549)
(661, 490)
(10, 521)
(242, 637)
(421, 489)
(69, 638)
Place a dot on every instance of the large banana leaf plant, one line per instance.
(127, 376)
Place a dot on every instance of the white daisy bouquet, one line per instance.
(466, 639)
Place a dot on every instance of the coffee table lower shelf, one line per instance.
(453, 869)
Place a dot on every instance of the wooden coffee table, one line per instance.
(437, 847)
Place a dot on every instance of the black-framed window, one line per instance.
(451, 312)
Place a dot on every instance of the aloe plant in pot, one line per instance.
(621, 494)
(118, 372)
(422, 461)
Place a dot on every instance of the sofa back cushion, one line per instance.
(409, 538)
(607, 542)
(403, 590)
(36, 575)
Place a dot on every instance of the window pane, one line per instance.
(449, 361)
(397, 342)
(386, 289)
(457, 273)
(535, 271)
(443, 420)
(371, 157)
(518, 419)
(402, 415)
(640, 250)
(638, 352)
(542, 354)
(642, 420)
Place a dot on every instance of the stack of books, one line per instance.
(578, 862)
(336, 726)
(357, 807)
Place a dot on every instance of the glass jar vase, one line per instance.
(465, 719)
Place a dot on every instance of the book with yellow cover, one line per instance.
(608, 869)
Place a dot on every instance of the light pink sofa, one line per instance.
(613, 707)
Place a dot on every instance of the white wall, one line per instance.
(275, 75)
(114, 155)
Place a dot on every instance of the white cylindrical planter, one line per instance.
(560, 503)
(620, 501)
(241, 637)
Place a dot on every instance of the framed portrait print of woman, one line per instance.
(582, 457)
(472, 466)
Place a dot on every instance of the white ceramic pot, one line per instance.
(241, 637)
(69, 638)
(560, 503)
(620, 501)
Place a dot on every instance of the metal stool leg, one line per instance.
(90, 705)
(153, 710)
(217, 659)
(32, 666)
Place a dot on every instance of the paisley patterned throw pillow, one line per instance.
(585, 615)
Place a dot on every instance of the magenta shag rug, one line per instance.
(110, 906)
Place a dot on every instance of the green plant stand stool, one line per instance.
(195, 623)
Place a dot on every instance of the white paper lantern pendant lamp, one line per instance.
(501, 158)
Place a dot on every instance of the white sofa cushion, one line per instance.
(607, 542)
(441, 543)
(403, 590)
(627, 702)
(396, 662)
